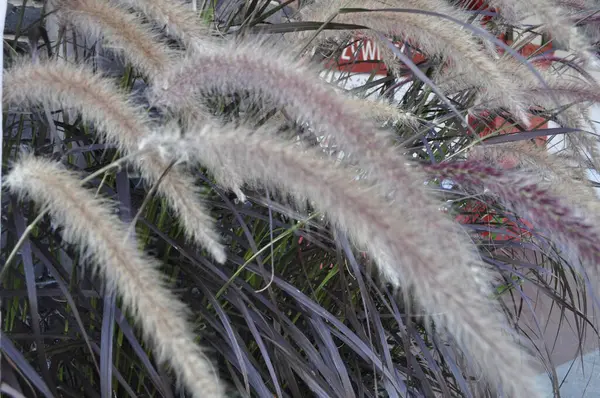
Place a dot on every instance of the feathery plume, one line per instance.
(559, 220)
(296, 88)
(569, 94)
(554, 18)
(449, 283)
(566, 88)
(174, 15)
(177, 89)
(551, 171)
(384, 113)
(120, 29)
(430, 34)
(120, 123)
(576, 97)
(584, 14)
(114, 256)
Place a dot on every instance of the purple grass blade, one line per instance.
(106, 342)
(368, 355)
(332, 352)
(341, 331)
(366, 298)
(120, 377)
(316, 360)
(110, 299)
(260, 342)
(305, 372)
(233, 340)
(289, 355)
(44, 256)
(344, 333)
(32, 297)
(428, 148)
(313, 355)
(23, 365)
(548, 291)
(9, 377)
(124, 196)
(432, 364)
(456, 372)
(528, 135)
(298, 336)
(128, 332)
(319, 387)
(247, 369)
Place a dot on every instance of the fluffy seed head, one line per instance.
(121, 31)
(175, 16)
(555, 215)
(116, 259)
(443, 280)
(119, 122)
(432, 35)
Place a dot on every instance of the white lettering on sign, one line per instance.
(347, 53)
(369, 51)
(364, 55)
(365, 50)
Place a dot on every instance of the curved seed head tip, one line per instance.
(240, 195)
(218, 253)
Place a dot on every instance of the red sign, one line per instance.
(365, 55)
